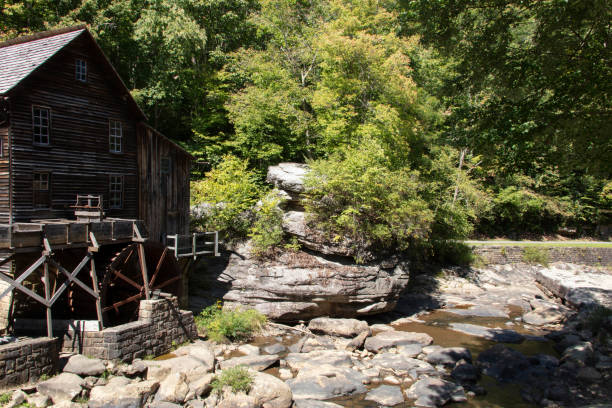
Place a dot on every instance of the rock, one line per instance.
(127, 396)
(274, 349)
(397, 362)
(410, 350)
(84, 366)
(358, 341)
(465, 373)
(270, 392)
(38, 400)
(379, 327)
(326, 382)
(237, 401)
(449, 356)
(478, 311)
(62, 387)
(68, 404)
(185, 364)
(163, 404)
(17, 398)
(250, 350)
(308, 403)
(577, 289)
(136, 369)
(581, 353)
(502, 363)
(288, 176)
(200, 386)
(199, 351)
(386, 395)
(314, 359)
(312, 343)
(498, 335)
(301, 285)
(588, 374)
(256, 362)
(285, 374)
(543, 316)
(390, 379)
(434, 392)
(338, 327)
(173, 388)
(389, 339)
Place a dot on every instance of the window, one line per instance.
(165, 165)
(80, 70)
(116, 192)
(115, 132)
(40, 125)
(40, 188)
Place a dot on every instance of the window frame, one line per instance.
(112, 136)
(80, 69)
(34, 126)
(165, 169)
(36, 189)
(121, 192)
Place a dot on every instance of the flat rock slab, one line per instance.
(578, 287)
(544, 315)
(270, 391)
(434, 392)
(388, 339)
(288, 176)
(309, 403)
(499, 335)
(397, 362)
(338, 327)
(258, 363)
(478, 311)
(386, 395)
(84, 366)
(314, 359)
(62, 387)
(326, 382)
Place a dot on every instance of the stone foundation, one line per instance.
(160, 325)
(26, 360)
(500, 254)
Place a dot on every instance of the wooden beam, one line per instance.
(95, 246)
(94, 281)
(143, 269)
(72, 278)
(18, 286)
(122, 302)
(128, 280)
(47, 296)
(158, 268)
(21, 277)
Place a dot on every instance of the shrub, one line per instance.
(267, 229)
(223, 325)
(237, 378)
(5, 398)
(534, 255)
(225, 196)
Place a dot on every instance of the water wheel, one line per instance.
(123, 286)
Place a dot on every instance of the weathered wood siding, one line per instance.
(78, 157)
(163, 196)
(4, 174)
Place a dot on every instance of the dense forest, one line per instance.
(421, 119)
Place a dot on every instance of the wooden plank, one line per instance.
(23, 276)
(158, 267)
(18, 286)
(143, 270)
(47, 296)
(94, 280)
(72, 276)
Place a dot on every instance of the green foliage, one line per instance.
(227, 194)
(597, 319)
(237, 378)
(266, 232)
(5, 398)
(535, 255)
(229, 325)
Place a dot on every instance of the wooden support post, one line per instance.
(94, 280)
(47, 296)
(143, 269)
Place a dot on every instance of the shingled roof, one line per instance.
(20, 57)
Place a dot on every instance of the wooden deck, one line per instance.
(62, 233)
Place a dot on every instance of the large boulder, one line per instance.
(288, 176)
(337, 327)
(326, 382)
(84, 366)
(434, 392)
(300, 285)
(63, 387)
(392, 338)
(118, 394)
(270, 392)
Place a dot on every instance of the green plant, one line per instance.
(105, 375)
(293, 245)
(44, 377)
(5, 398)
(266, 232)
(148, 357)
(534, 255)
(597, 318)
(237, 378)
(81, 400)
(223, 324)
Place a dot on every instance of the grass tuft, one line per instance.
(237, 378)
(534, 255)
(223, 325)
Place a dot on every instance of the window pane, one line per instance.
(40, 125)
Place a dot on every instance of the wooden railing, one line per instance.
(194, 245)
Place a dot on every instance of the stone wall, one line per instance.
(160, 325)
(26, 360)
(499, 254)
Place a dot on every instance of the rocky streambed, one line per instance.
(494, 337)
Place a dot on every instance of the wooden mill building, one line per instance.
(69, 127)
